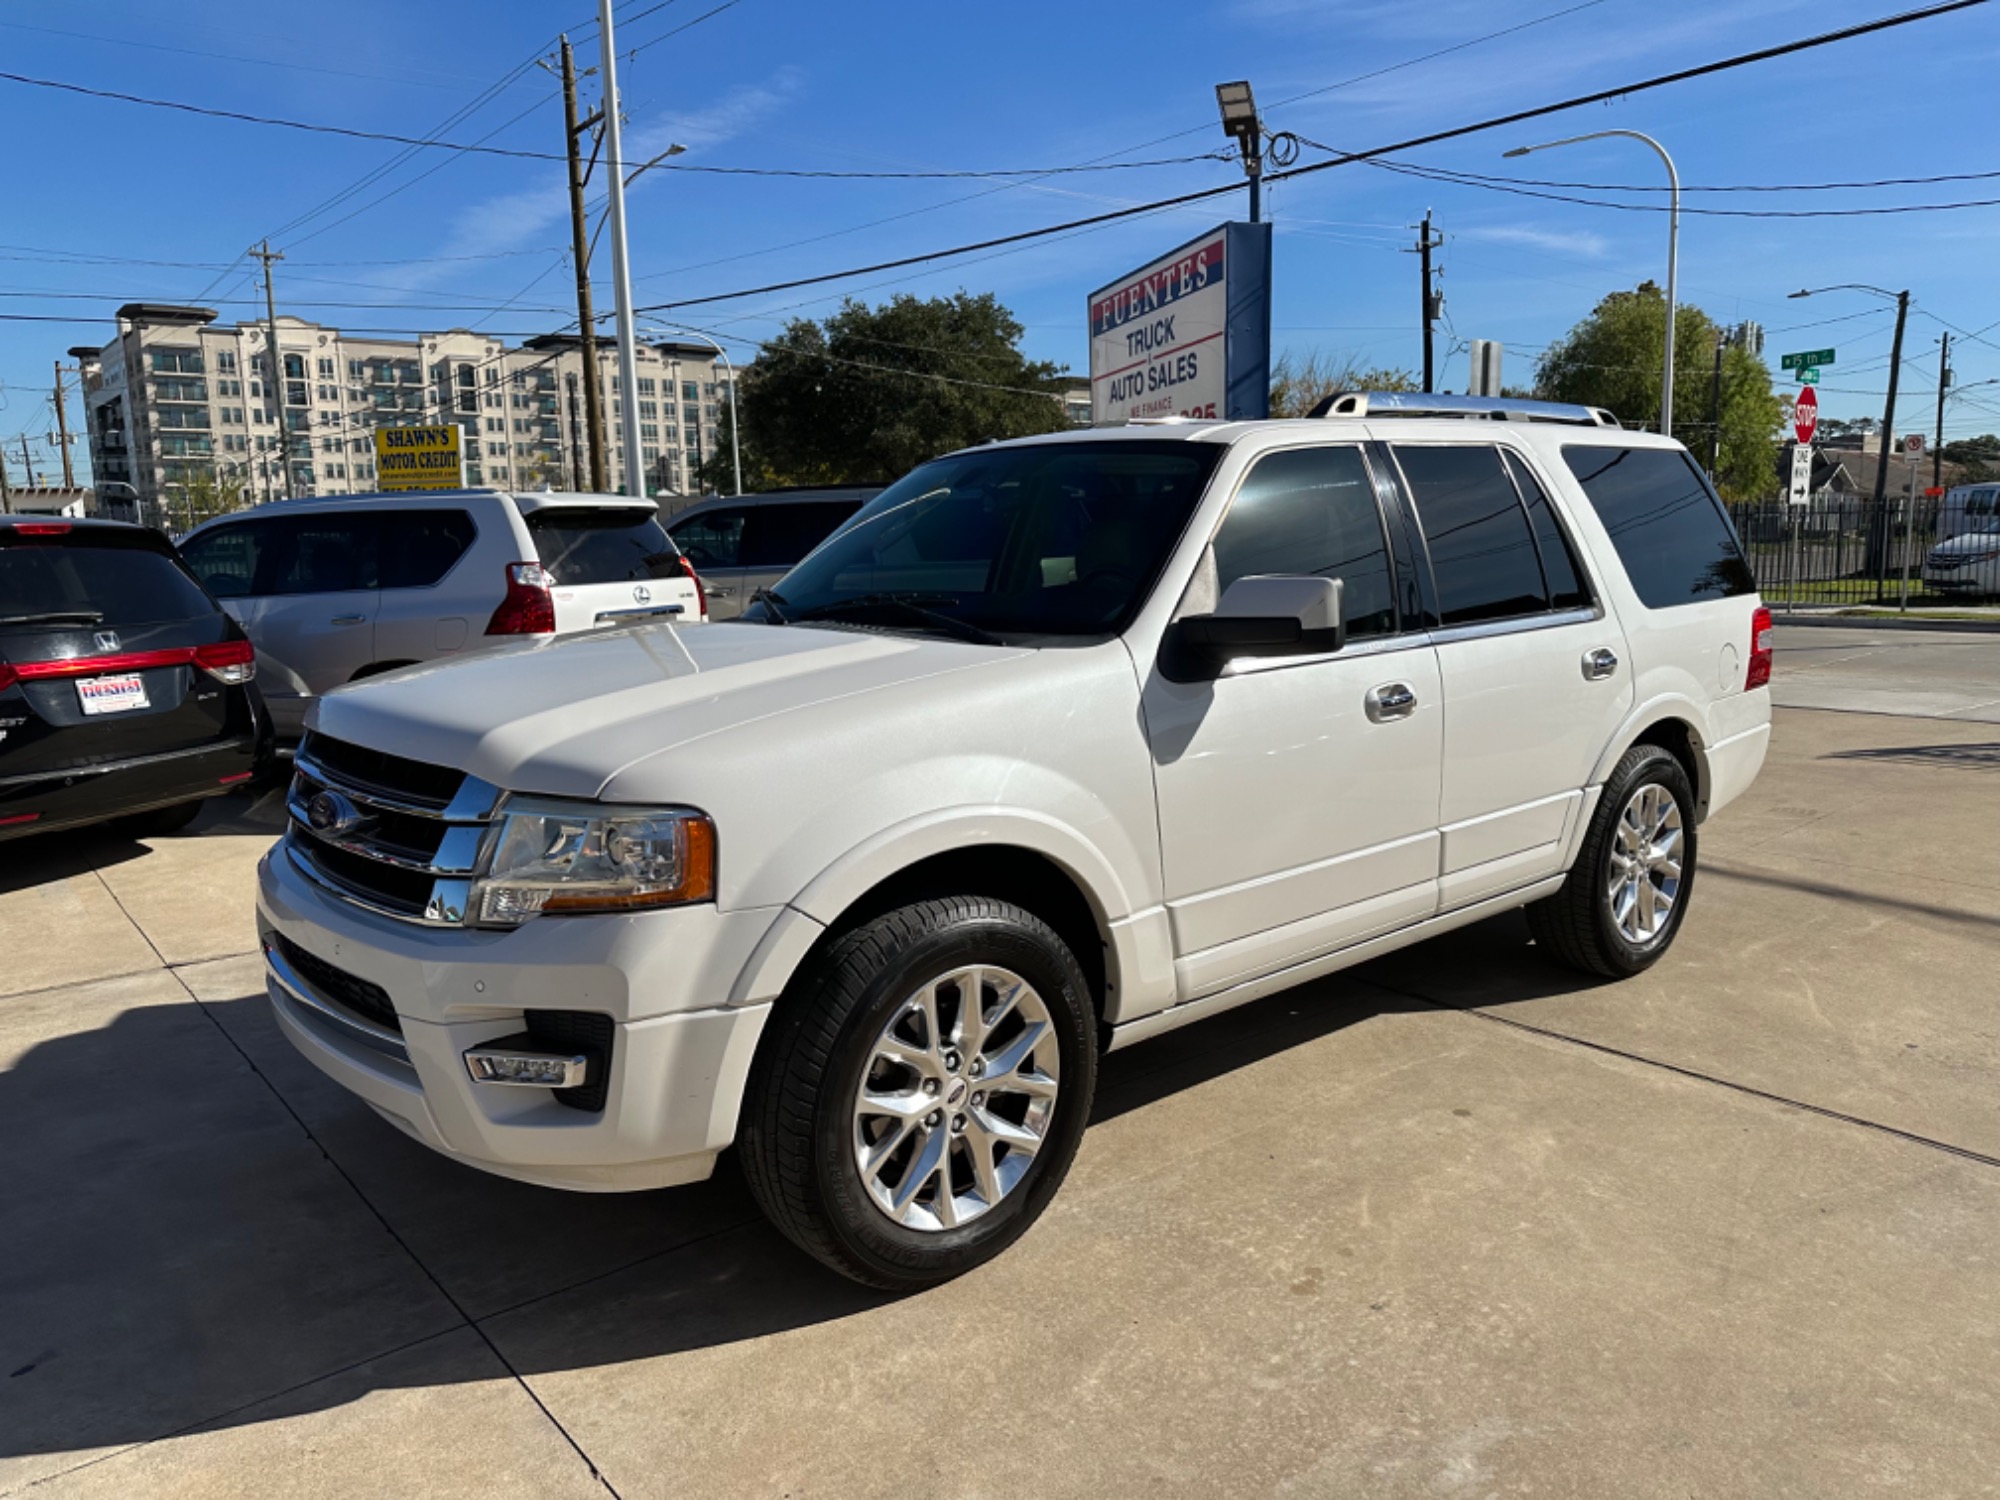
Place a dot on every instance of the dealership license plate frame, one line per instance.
(118, 693)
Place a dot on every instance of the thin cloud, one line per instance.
(1576, 244)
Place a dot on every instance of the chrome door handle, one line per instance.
(1599, 663)
(1392, 700)
(716, 593)
(348, 619)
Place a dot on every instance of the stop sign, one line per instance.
(1805, 415)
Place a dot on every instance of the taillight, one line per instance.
(227, 661)
(528, 608)
(700, 593)
(8, 677)
(1759, 674)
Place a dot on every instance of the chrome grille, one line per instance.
(397, 837)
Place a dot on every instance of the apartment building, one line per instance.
(178, 398)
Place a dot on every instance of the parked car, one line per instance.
(331, 591)
(125, 691)
(1968, 560)
(742, 543)
(1059, 744)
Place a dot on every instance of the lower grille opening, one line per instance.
(365, 998)
(577, 1031)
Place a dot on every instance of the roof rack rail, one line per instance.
(1487, 408)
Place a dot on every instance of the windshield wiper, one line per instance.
(56, 617)
(773, 603)
(911, 607)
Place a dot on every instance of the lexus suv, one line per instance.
(1057, 745)
(333, 591)
(125, 691)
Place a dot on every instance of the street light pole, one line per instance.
(1673, 249)
(621, 268)
(735, 442)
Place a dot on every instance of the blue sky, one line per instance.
(906, 86)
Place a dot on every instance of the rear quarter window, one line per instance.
(612, 545)
(1669, 530)
(124, 580)
(420, 546)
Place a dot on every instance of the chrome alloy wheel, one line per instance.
(958, 1094)
(1645, 876)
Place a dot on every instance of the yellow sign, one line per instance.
(420, 458)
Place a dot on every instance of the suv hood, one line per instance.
(563, 716)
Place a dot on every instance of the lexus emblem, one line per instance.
(641, 594)
(332, 814)
(107, 640)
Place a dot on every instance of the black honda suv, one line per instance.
(125, 691)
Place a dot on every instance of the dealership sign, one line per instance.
(420, 458)
(1187, 335)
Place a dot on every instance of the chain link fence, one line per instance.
(1841, 549)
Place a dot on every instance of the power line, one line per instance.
(1660, 187)
(634, 52)
(1682, 75)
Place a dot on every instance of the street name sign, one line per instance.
(1800, 490)
(1805, 416)
(420, 458)
(1808, 375)
(1187, 335)
(1803, 361)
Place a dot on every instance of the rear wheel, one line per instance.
(922, 1091)
(1627, 893)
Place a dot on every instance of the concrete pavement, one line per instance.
(1454, 1223)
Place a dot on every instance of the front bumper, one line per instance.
(678, 1061)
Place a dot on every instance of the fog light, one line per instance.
(504, 1062)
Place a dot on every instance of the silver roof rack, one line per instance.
(1488, 408)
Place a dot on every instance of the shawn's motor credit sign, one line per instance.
(419, 458)
(1188, 334)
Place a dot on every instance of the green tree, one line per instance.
(1980, 456)
(1298, 384)
(1612, 359)
(209, 494)
(872, 392)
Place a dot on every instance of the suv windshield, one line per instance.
(1046, 539)
(613, 544)
(94, 577)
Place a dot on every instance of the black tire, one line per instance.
(1576, 926)
(797, 1136)
(158, 822)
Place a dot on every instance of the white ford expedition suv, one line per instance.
(1057, 745)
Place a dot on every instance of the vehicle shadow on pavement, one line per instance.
(44, 859)
(1972, 757)
(200, 1223)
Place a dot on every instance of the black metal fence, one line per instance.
(1841, 549)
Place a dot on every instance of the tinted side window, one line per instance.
(1669, 530)
(777, 536)
(712, 539)
(614, 545)
(1312, 511)
(1482, 552)
(225, 559)
(332, 554)
(420, 546)
(1559, 569)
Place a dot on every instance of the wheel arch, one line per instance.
(377, 668)
(1675, 725)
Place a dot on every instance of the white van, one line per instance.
(1057, 745)
(333, 591)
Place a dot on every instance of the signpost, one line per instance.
(420, 458)
(1913, 450)
(1187, 335)
(1805, 416)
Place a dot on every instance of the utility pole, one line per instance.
(1715, 407)
(28, 465)
(621, 265)
(274, 382)
(576, 453)
(1879, 533)
(1433, 304)
(62, 429)
(1944, 385)
(593, 394)
(6, 489)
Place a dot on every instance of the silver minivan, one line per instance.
(331, 591)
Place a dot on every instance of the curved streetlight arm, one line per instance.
(1845, 286)
(1673, 247)
(735, 441)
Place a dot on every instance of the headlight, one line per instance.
(548, 856)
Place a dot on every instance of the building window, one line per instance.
(176, 361)
(690, 391)
(325, 368)
(225, 361)
(356, 370)
(647, 385)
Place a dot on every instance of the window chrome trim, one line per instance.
(1374, 645)
(1480, 630)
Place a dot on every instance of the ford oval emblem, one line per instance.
(332, 814)
(641, 594)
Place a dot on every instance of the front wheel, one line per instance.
(922, 1091)
(1627, 893)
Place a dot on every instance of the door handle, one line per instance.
(716, 593)
(1599, 663)
(348, 619)
(1390, 701)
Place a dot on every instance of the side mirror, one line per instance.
(1265, 615)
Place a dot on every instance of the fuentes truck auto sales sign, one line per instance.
(1188, 334)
